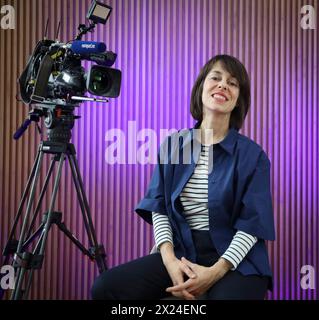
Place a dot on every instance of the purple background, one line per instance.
(161, 47)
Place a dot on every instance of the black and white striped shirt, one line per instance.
(194, 199)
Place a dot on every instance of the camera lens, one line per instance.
(101, 82)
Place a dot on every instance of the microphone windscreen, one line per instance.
(87, 47)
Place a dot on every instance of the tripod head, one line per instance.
(58, 120)
(59, 123)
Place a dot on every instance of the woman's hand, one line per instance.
(176, 270)
(206, 277)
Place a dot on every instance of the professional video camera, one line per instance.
(54, 78)
(53, 84)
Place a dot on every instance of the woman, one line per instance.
(211, 208)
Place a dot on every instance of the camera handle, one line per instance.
(84, 30)
(26, 262)
(34, 115)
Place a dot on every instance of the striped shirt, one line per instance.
(194, 199)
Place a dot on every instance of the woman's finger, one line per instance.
(183, 295)
(189, 272)
(179, 287)
(187, 295)
(188, 263)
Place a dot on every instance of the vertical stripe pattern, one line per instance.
(161, 46)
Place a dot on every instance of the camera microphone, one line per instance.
(103, 59)
(87, 47)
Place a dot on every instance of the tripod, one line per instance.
(59, 126)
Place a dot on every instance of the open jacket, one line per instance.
(239, 196)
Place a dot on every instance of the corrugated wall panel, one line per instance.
(161, 46)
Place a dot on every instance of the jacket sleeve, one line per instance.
(256, 216)
(154, 199)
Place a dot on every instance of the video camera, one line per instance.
(54, 76)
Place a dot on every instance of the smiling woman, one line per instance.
(210, 227)
(214, 89)
(226, 76)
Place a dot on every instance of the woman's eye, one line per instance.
(214, 78)
(234, 84)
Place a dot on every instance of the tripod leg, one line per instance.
(80, 198)
(17, 294)
(29, 205)
(54, 194)
(33, 236)
(99, 250)
(30, 275)
(7, 251)
(11, 246)
(28, 285)
(46, 182)
(71, 236)
(20, 270)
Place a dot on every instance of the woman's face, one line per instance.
(220, 90)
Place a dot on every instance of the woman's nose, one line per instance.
(222, 85)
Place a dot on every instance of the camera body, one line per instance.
(54, 74)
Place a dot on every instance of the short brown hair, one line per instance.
(238, 71)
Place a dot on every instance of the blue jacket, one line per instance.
(239, 196)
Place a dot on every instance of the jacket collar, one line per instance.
(228, 144)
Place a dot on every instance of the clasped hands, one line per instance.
(200, 278)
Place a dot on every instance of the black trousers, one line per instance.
(146, 278)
